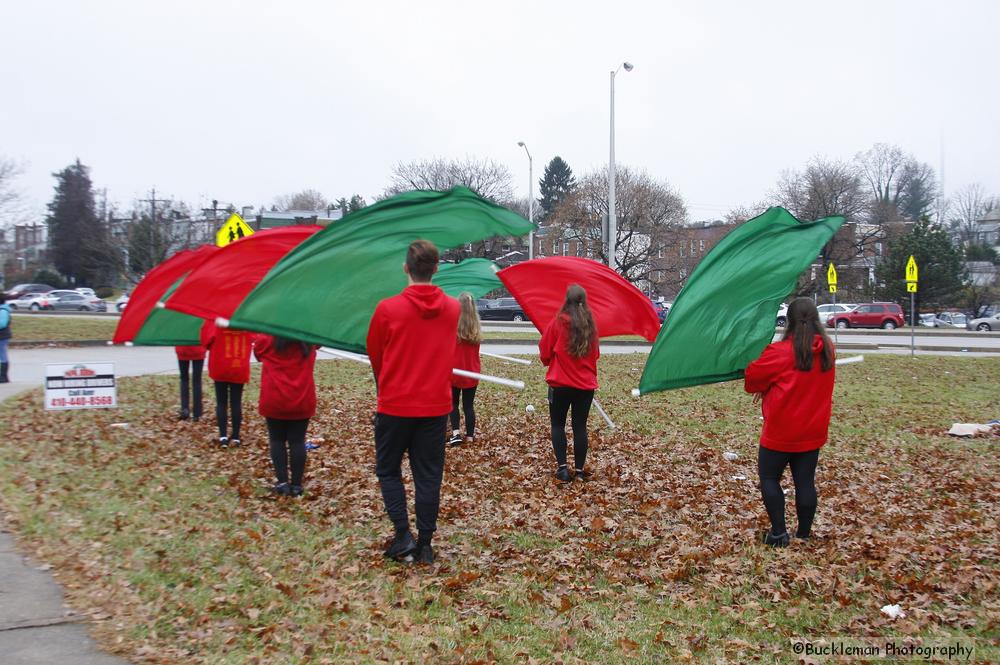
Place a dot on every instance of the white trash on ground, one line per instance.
(893, 612)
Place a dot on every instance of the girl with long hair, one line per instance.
(570, 348)
(794, 379)
(287, 402)
(467, 358)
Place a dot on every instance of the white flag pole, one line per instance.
(357, 357)
(507, 358)
(604, 414)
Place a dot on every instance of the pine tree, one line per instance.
(556, 183)
(81, 245)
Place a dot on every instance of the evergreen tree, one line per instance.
(81, 245)
(940, 267)
(148, 244)
(556, 183)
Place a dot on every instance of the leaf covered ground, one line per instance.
(179, 554)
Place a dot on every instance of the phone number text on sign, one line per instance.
(80, 386)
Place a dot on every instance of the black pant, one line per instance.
(770, 467)
(231, 393)
(192, 367)
(467, 395)
(560, 401)
(292, 433)
(423, 440)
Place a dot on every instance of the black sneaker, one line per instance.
(425, 555)
(455, 440)
(583, 475)
(235, 443)
(223, 441)
(282, 489)
(562, 475)
(295, 490)
(402, 545)
(183, 416)
(775, 541)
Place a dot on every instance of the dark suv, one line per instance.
(502, 309)
(869, 315)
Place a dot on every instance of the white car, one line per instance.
(87, 292)
(32, 301)
(829, 309)
(122, 303)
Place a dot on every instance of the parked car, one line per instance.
(503, 309)
(73, 301)
(32, 301)
(782, 317)
(950, 320)
(20, 289)
(886, 315)
(830, 309)
(87, 292)
(662, 309)
(985, 323)
(927, 320)
(122, 302)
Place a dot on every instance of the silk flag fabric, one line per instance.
(477, 276)
(619, 308)
(724, 316)
(165, 327)
(219, 284)
(151, 288)
(326, 289)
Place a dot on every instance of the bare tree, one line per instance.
(742, 213)
(307, 199)
(970, 204)
(10, 197)
(486, 177)
(898, 185)
(650, 214)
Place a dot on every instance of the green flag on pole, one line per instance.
(326, 289)
(724, 316)
(477, 276)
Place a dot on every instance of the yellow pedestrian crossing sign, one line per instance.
(911, 275)
(234, 229)
(911, 287)
(831, 278)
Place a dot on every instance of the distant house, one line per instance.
(269, 219)
(988, 229)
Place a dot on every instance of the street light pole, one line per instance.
(531, 203)
(612, 175)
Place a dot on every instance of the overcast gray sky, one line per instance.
(243, 101)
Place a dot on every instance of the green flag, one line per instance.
(165, 327)
(724, 316)
(326, 289)
(477, 276)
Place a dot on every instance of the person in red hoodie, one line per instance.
(411, 345)
(287, 402)
(229, 366)
(794, 378)
(466, 357)
(570, 348)
(190, 361)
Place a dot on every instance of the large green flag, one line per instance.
(724, 316)
(326, 289)
(165, 327)
(477, 276)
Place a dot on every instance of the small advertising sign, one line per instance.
(80, 386)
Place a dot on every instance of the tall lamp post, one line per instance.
(531, 203)
(612, 173)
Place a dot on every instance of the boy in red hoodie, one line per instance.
(229, 366)
(411, 344)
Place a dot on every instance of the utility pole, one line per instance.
(152, 201)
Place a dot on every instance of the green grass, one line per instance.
(179, 553)
(47, 328)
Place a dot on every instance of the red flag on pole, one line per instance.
(619, 308)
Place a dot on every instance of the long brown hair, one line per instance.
(802, 327)
(582, 329)
(469, 331)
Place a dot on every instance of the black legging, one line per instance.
(231, 393)
(770, 466)
(292, 433)
(190, 378)
(560, 401)
(468, 395)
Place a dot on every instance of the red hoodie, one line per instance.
(411, 344)
(228, 353)
(287, 389)
(566, 371)
(796, 404)
(190, 352)
(467, 358)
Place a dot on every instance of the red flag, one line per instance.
(619, 308)
(219, 284)
(152, 287)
